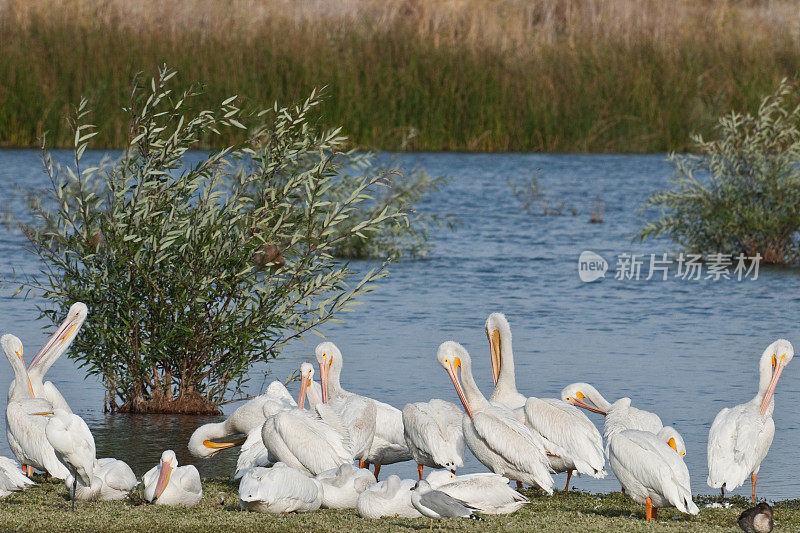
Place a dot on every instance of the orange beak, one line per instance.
(324, 368)
(219, 446)
(457, 384)
(776, 374)
(163, 478)
(494, 348)
(30, 386)
(64, 331)
(301, 398)
(589, 407)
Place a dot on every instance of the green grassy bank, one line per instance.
(46, 508)
(511, 75)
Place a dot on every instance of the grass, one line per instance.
(46, 508)
(550, 75)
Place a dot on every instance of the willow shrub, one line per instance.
(194, 272)
(741, 192)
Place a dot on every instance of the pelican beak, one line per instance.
(219, 446)
(30, 386)
(43, 413)
(163, 478)
(776, 374)
(324, 369)
(494, 349)
(578, 402)
(457, 384)
(672, 444)
(301, 398)
(64, 333)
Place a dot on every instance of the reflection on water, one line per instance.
(682, 349)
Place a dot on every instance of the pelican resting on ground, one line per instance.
(74, 446)
(11, 479)
(112, 480)
(390, 497)
(740, 436)
(571, 440)
(433, 434)
(652, 470)
(342, 486)
(437, 505)
(170, 484)
(487, 492)
(302, 440)
(279, 489)
(492, 431)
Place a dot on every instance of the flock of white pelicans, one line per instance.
(294, 459)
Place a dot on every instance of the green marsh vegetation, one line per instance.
(518, 75)
(194, 272)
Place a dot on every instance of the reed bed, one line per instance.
(502, 75)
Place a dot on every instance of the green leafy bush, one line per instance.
(741, 192)
(194, 272)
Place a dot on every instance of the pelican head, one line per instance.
(168, 464)
(306, 376)
(12, 346)
(577, 395)
(329, 357)
(671, 436)
(497, 327)
(437, 478)
(781, 352)
(63, 337)
(451, 356)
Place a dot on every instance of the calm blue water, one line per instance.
(684, 349)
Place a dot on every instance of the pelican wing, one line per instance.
(189, 479)
(315, 445)
(29, 431)
(116, 474)
(50, 393)
(253, 453)
(570, 431)
(435, 429)
(738, 441)
(11, 478)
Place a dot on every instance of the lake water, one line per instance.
(684, 349)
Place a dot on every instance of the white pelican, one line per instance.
(56, 345)
(342, 486)
(619, 415)
(436, 504)
(740, 436)
(303, 441)
(243, 420)
(571, 440)
(487, 492)
(492, 431)
(359, 414)
(11, 479)
(168, 484)
(390, 497)
(73, 443)
(21, 386)
(279, 489)
(652, 470)
(433, 434)
(112, 479)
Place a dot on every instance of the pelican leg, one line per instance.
(74, 488)
(419, 469)
(655, 513)
(722, 490)
(648, 509)
(753, 481)
(362, 464)
(569, 476)
(622, 488)
(519, 485)
(377, 470)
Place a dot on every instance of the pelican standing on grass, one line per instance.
(652, 470)
(571, 440)
(168, 484)
(73, 443)
(492, 431)
(433, 434)
(740, 436)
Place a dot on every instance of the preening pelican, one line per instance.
(11, 479)
(433, 434)
(342, 486)
(620, 415)
(168, 484)
(73, 443)
(436, 504)
(58, 343)
(492, 431)
(571, 440)
(358, 414)
(487, 492)
(247, 417)
(21, 386)
(390, 497)
(279, 489)
(740, 436)
(652, 470)
(303, 441)
(112, 479)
